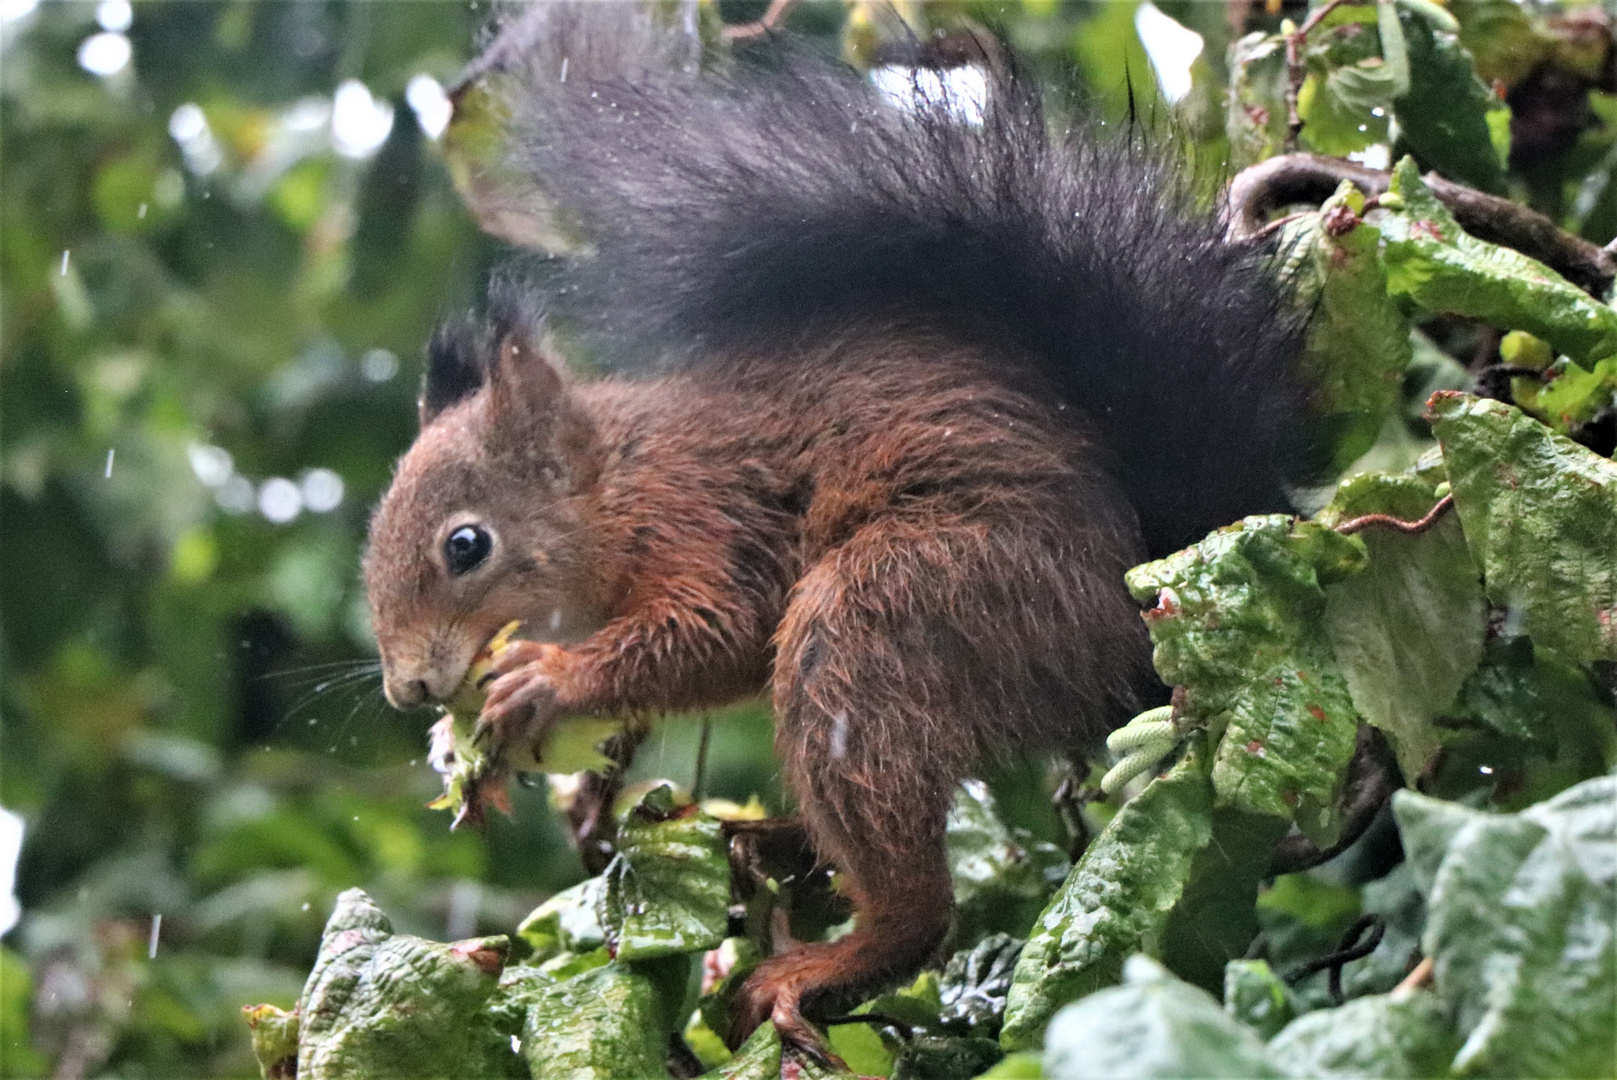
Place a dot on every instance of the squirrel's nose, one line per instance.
(405, 693)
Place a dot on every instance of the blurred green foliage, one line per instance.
(214, 295)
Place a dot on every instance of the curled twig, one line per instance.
(1372, 778)
(1360, 941)
(1288, 179)
(1410, 528)
(905, 1030)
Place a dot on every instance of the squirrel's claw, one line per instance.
(521, 698)
(779, 1001)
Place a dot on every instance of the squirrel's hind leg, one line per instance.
(872, 747)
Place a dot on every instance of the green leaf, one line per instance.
(384, 1004)
(667, 890)
(1358, 339)
(1002, 878)
(757, 1059)
(975, 984)
(1153, 1026)
(1445, 118)
(567, 922)
(1256, 120)
(1569, 396)
(595, 1026)
(1375, 1036)
(1408, 630)
(1540, 515)
(1238, 624)
(1345, 101)
(1431, 260)
(1521, 926)
(1257, 997)
(274, 1037)
(930, 1057)
(1114, 903)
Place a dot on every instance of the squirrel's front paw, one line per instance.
(521, 700)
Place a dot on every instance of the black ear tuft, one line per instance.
(457, 364)
(463, 352)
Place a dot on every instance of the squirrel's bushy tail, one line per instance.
(774, 204)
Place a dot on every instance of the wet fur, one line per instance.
(925, 392)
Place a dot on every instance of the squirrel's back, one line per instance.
(775, 205)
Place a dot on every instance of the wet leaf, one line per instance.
(1358, 338)
(1408, 630)
(1152, 1026)
(1114, 903)
(1540, 515)
(975, 984)
(598, 1025)
(1448, 117)
(756, 1059)
(667, 891)
(1238, 625)
(567, 922)
(1257, 997)
(1431, 260)
(384, 1004)
(1394, 1039)
(1520, 923)
(1002, 877)
(1256, 120)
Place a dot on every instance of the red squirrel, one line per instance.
(898, 393)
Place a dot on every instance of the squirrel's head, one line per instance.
(484, 522)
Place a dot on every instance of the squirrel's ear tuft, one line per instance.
(457, 366)
(524, 379)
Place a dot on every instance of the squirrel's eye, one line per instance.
(466, 547)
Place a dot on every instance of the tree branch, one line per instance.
(1288, 179)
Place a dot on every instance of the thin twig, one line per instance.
(772, 16)
(1348, 528)
(1294, 66)
(1360, 941)
(699, 783)
(1420, 976)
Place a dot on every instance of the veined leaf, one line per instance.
(1408, 630)
(1435, 263)
(667, 890)
(384, 1004)
(1152, 1026)
(1521, 923)
(1540, 515)
(1238, 625)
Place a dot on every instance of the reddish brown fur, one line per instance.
(921, 557)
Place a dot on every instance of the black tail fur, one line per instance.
(770, 204)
